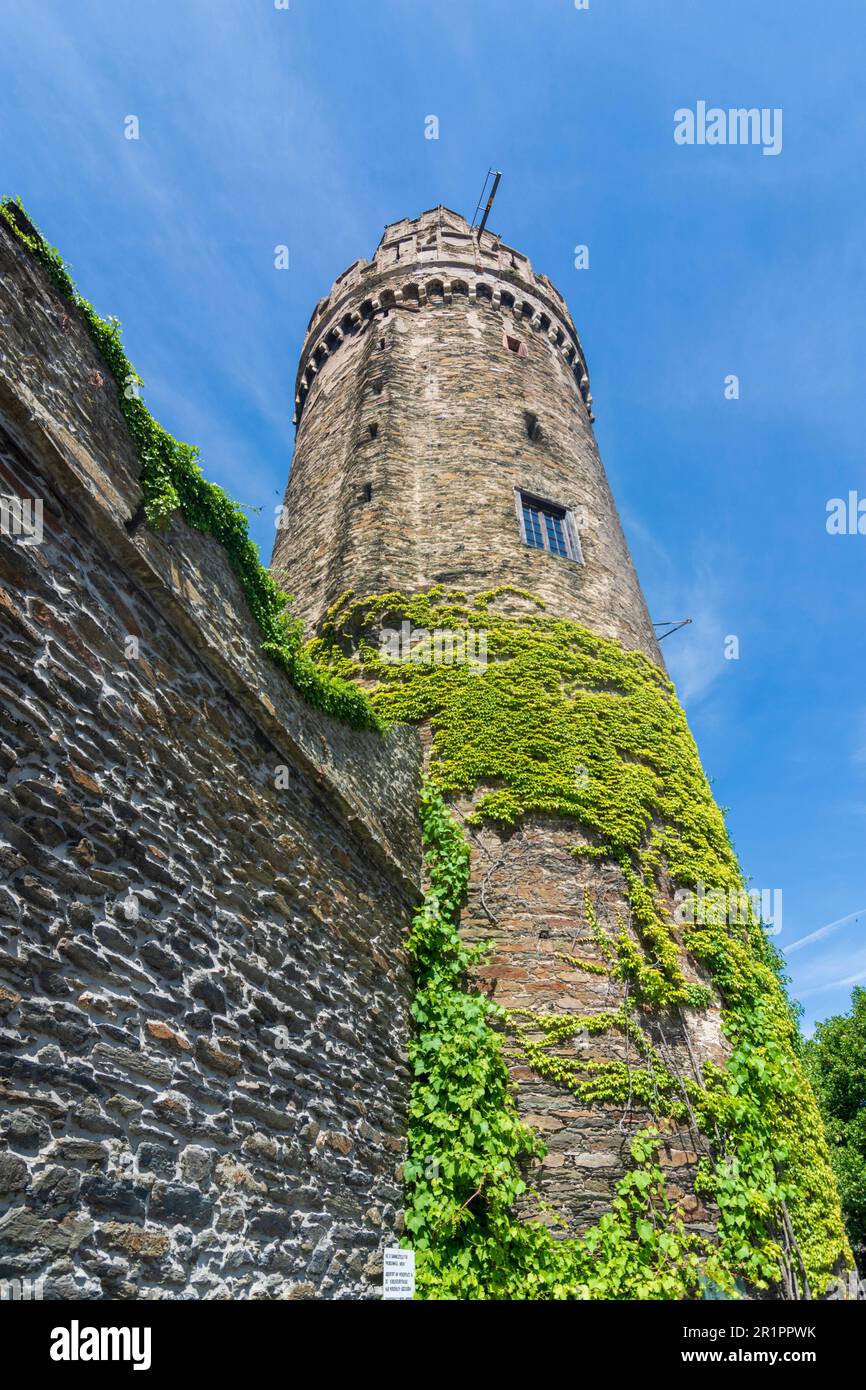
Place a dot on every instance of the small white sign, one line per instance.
(398, 1278)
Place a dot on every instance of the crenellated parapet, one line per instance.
(434, 260)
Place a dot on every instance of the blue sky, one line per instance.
(305, 127)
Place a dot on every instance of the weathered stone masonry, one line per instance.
(205, 884)
(416, 423)
(203, 988)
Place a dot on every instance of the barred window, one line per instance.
(547, 526)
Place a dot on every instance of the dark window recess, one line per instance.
(368, 492)
(548, 526)
(515, 345)
(374, 429)
(533, 428)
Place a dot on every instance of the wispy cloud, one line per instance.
(690, 584)
(698, 661)
(823, 932)
(844, 982)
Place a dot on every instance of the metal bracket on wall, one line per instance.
(672, 625)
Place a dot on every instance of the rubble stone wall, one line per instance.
(204, 891)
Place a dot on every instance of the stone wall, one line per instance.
(204, 890)
(416, 424)
(527, 905)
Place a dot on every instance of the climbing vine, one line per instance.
(172, 480)
(468, 1150)
(551, 698)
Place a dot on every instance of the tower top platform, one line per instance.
(437, 253)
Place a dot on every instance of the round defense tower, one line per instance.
(445, 437)
(446, 469)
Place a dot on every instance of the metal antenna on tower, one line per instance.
(496, 175)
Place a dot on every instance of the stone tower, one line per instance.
(446, 463)
(439, 385)
(445, 438)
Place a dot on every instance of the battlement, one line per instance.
(432, 260)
